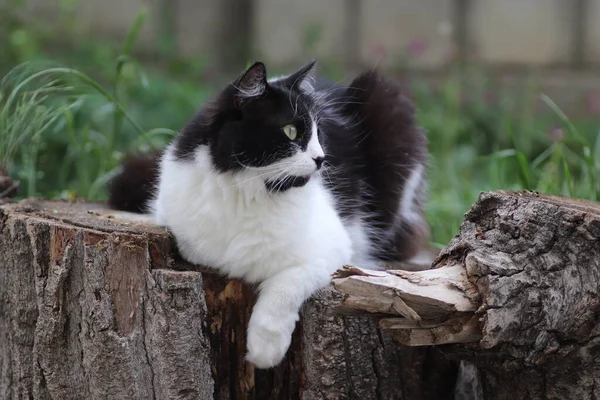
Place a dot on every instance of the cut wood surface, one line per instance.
(96, 304)
(436, 306)
(517, 291)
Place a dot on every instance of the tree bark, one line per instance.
(516, 293)
(96, 304)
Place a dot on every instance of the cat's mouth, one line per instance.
(286, 183)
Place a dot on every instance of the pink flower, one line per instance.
(417, 48)
(592, 101)
(378, 51)
(556, 133)
(491, 98)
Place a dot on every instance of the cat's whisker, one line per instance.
(242, 183)
(278, 181)
(279, 170)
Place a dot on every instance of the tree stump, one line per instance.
(516, 293)
(96, 304)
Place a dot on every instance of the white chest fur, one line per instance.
(230, 222)
(289, 242)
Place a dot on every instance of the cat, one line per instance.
(282, 181)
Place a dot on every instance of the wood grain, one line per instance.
(96, 304)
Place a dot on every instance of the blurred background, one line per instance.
(508, 90)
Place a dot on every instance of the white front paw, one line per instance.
(268, 342)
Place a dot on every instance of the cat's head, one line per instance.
(261, 125)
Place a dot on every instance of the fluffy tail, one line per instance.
(134, 186)
(396, 155)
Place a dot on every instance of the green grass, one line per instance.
(65, 128)
(481, 146)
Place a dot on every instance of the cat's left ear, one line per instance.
(303, 77)
(251, 84)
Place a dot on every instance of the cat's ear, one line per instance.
(303, 77)
(251, 83)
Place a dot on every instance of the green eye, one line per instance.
(290, 131)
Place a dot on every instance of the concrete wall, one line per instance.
(427, 33)
(521, 31)
(592, 23)
(281, 28)
(418, 29)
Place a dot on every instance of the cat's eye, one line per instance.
(290, 131)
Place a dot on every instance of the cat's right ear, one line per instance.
(251, 84)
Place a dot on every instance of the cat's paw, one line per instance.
(268, 343)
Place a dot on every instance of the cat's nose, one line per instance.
(319, 161)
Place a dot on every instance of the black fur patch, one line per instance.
(373, 150)
(131, 190)
(281, 185)
(247, 131)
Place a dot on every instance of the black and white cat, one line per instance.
(281, 182)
